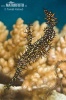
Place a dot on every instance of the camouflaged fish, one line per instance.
(38, 49)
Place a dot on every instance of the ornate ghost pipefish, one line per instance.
(36, 50)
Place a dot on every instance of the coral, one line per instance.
(11, 47)
(3, 32)
(17, 93)
(56, 96)
(43, 73)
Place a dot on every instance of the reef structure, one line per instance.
(43, 72)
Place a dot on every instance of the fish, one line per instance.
(37, 49)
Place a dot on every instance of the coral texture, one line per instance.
(43, 72)
(17, 93)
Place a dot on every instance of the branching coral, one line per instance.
(42, 73)
(3, 32)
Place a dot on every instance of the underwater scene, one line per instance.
(33, 50)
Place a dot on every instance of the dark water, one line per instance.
(33, 11)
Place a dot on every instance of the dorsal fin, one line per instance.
(50, 17)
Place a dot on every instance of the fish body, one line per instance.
(38, 49)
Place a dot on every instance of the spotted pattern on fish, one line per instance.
(51, 20)
(38, 49)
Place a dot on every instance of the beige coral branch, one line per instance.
(42, 73)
